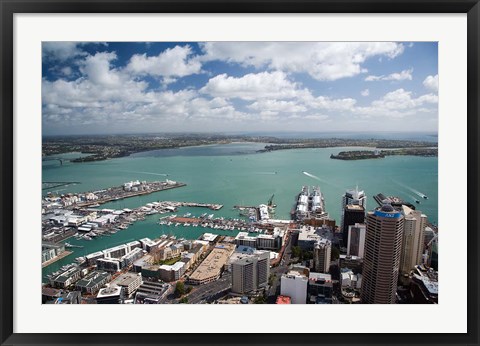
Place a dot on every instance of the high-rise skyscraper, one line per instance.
(383, 248)
(356, 240)
(352, 214)
(412, 244)
(321, 255)
(352, 197)
(250, 273)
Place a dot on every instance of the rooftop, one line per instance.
(126, 279)
(93, 279)
(283, 300)
(109, 292)
(212, 265)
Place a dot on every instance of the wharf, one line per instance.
(57, 258)
(202, 205)
(128, 194)
(216, 223)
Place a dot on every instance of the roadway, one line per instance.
(278, 271)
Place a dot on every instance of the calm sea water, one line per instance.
(235, 174)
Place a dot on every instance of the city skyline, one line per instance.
(93, 88)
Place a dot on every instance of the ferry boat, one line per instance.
(310, 204)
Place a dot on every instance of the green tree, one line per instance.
(259, 300)
(307, 255)
(335, 254)
(271, 278)
(296, 251)
(179, 289)
(184, 300)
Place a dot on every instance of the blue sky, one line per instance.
(138, 87)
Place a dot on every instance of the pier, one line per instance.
(117, 193)
(55, 184)
(202, 205)
(57, 258)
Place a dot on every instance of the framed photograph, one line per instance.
(214, 161)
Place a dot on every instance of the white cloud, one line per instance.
(275, 106)
(365, 92)
(397, 76)
(251, 86)
(173, 62)
(431, 83)
(399, 103)
(327, 103)
(97, 69)
(66, 71)
(321, 60)
(61, 51)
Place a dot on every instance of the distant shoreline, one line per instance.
(101, 148)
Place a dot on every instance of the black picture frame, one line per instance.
(10, 7)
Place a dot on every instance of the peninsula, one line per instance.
(106, 147)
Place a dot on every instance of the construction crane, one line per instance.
(270, 202)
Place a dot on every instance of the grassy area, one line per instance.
(169, 261)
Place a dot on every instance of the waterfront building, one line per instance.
(267, 241)
(320, 288)
(381, 265)
(251, 272)
(356, 240)
(211, 267)
(263, 211)
(129, 281)
(322, 252)
(109, 264)
(412, 244)
(294, 285)
(244, 239)
(67, 277)
(273, 241)
(93, 257)
(131, 257)
(133, 245)
(110, 295)
(116, 252)
(93, 281)
(51, 250)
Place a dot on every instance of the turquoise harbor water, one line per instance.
(234, 174)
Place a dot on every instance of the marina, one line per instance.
(233, 184)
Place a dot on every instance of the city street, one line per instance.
(208, 292)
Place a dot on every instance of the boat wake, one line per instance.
(151, 173)
(418, 193)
